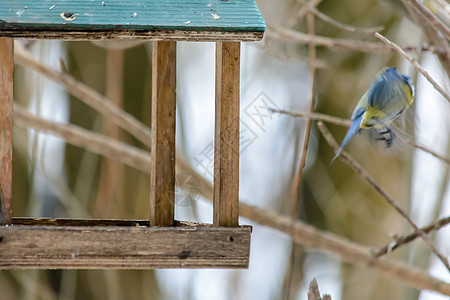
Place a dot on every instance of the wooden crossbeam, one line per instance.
(6, 127)
(111, 244)
(162, 176)
(226, 138)
(135, 35)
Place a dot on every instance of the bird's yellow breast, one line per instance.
(408, 92)
(371, 116)
(375, 117)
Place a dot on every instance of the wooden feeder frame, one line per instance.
(160, 242)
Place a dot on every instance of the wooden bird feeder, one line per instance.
(160, 242)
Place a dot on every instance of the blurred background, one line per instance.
(56, 179)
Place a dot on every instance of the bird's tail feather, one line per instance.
(354, 129)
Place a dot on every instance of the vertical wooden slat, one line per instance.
(6, 130)
(162, 176)
(226, 143)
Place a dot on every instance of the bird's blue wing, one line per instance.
(391, 93)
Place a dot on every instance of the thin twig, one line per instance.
(302, 233)
(312, 95)
(306, 8)
(88, 95)
(346, 123)
(418, 67)
(314, 116)
(371, 181)
(347, 250)
(423, 48)
(86, 139)
(427, 150)
(405, 239)
(343, 26)
(325, 242)
(433, 36)
(280, 32)
(430, 17)
(271, 50)
(298, 177)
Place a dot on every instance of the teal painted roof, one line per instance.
(187, 15)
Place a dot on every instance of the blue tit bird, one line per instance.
(391, 94)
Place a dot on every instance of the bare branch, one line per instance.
(403, 240)
(306, 8)
(284, 33)
(433, 36)
(314, 116)
(88, 95)
(423, 48)
(273, 51)
(300, 232)
(346, 123)
(278, 31)
(343, 26)
(371, 181)
(306, 139)
(418, 67)
(429, 151)
(347, 250)
(86, 139)
(430, 17)
(311, 98)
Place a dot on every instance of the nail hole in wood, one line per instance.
(231, 239)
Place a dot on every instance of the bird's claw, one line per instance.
(387, 136)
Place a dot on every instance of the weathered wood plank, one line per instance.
(226, 141)
(6, 127)
(121, 247)
(119, 34)
(162, 174)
